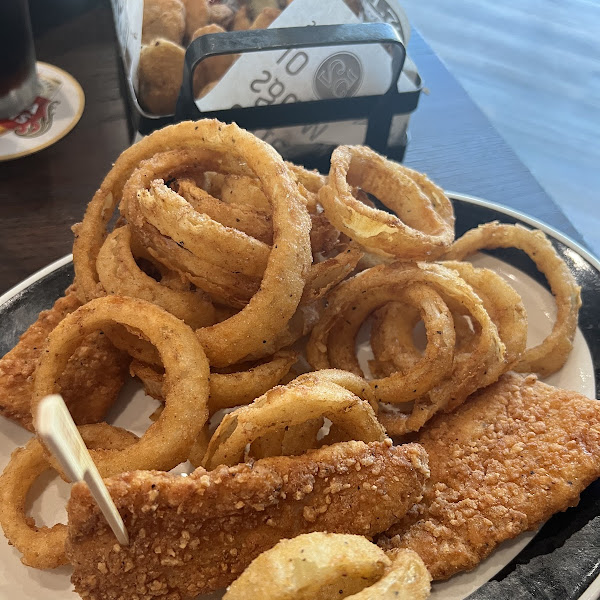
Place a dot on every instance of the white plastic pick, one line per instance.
(56, 427)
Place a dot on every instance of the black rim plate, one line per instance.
(562, 562)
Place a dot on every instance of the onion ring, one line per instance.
(349, 381)
(168, 441)
(505, 307)
(313, 181)
(324, 565)
(323, 276)
(433, 367)
(300, 324)
(176, 219)
(120, 275)
(183, 254)
(43, 547)
(391, 335)
(407, 577)
(392, 340)
(242, 190)
(223, 286)
(272, 414)
(199, 447)
(236, 289)
(551, 354)
(91, 232)
(132, 342)
(323, 235)
(238, 213)
(256, 224)
(424, 227)
(283, 281)
(238, 209)
(309, 182)
(468, 371)
(227, 390)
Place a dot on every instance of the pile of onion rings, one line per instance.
(444, 377)
(238, 283)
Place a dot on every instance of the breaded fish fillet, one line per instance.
(503, 463)
(192, 535)
(90, 383)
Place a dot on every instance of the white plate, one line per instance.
(18, 582)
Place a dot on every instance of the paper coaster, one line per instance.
(56, 110)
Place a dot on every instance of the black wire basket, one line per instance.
(377, 111)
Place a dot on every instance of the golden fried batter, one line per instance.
(161, 73)
(241, 22)
(221, 15)
(163, 19)
(265, 18)
(197, 15)
(211, 69)
(90, 383)
(191, 535)
(255, 7)
(503, 463)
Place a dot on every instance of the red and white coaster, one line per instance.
(55, 111)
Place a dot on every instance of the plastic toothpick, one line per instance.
(56, 427)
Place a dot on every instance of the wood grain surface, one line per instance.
(533, 67)
(455, 144)
(42, 195)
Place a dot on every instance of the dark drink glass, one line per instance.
(18, 78)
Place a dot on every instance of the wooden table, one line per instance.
(42, 195)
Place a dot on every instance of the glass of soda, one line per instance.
(18, 77)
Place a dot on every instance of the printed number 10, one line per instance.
(295, 64)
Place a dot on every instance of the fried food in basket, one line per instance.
(169, 25)
(241, 21)
(192, 535)
(160, 73)
(210, 70)
(181, 22)
(197, 14)
(221, 15)
(256, 7)
(44, 547)
(90, 382)
(163, 19)
(265, 18)
(503, 463)
(331, 565)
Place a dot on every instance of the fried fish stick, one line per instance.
(508, 459)
(96, 371)
(196, 534)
